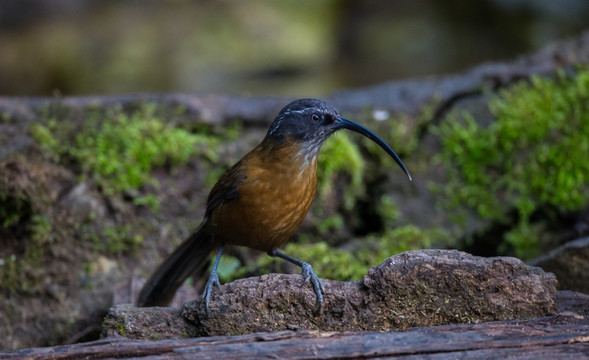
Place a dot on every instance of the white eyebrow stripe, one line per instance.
(295, 111)
(275, 127)
(286, 113)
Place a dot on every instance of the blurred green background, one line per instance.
(293, 48)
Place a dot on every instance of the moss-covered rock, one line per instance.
(527, 164)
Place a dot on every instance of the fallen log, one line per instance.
(564, 336)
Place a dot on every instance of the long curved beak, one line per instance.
(341, 123)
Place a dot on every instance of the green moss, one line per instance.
(335, 221)
(149, 200)
(114, 150)
(228, 265)
(111, 238)
(531, 158)
(120, 327)
(121, 238)
(339, 155)
(118, 150)
(388, 210)
(45, 137)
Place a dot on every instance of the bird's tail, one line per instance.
(191, 256)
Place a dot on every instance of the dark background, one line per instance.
(293, 48)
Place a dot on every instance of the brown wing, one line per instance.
(226, 188)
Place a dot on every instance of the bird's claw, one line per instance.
(208, 289)
(310, 276)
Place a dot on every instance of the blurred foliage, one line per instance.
(262, 47)
(531, 159)
(163, 47)
(117, 150)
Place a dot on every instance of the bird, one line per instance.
(260, 201)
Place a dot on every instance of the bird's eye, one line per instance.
(315, 117)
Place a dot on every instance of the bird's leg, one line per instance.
(307, 273)
(213, 280)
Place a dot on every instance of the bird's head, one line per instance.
(309, 122)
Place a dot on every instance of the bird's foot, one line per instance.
(206, 295)
(310, 276)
